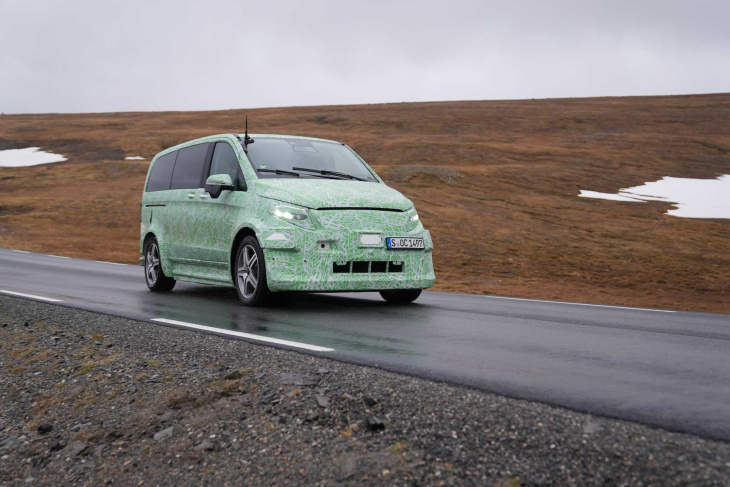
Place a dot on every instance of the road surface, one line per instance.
(665, 368)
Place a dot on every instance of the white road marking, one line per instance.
(306, 346)
(21, 251)
(59, 256)
(582, 304)
(105, 262)
(33, 296)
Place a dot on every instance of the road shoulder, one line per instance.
(90, 398)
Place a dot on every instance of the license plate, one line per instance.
(404, 243)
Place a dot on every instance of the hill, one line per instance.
(495, 181)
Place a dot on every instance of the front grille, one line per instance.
(366, 267)
(341, 268)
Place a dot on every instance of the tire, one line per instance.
(401, 296)
(154, 276)
(249, 273)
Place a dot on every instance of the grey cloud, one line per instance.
(173, 55)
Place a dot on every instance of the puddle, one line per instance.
(692, 198)
(134, 158)
(30, 156)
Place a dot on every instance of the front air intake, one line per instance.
(367, 267)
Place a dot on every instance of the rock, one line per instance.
(313, 416)
(591, 427)
(79, 426)
(270, 398)
(322, 401)
(259, 376)
(323, 371)
(235, 375)
(81, 466)
(77, 448)
(8, 442)
(99, 450)
(166, 416)
(44, 429)
(56, 446)
(298, 380)
(348, 397)
(30, 480)
(349, 467)
(369, 401)
(203, 446)
(375, 424)
(164, 434)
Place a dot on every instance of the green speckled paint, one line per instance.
(197, 233)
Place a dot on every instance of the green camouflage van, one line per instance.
(271, 213)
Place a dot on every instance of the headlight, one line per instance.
(293, 214)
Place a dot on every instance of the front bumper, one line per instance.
(301, 260)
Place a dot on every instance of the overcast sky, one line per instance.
(105, 55)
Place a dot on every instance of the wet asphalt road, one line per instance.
(664, 368)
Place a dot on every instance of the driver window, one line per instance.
(225, 162)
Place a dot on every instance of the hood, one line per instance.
(330, 193)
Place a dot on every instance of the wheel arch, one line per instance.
(148, 235)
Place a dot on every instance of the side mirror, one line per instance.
(217, 183)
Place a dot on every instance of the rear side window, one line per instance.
(189, 167)
(162, 172)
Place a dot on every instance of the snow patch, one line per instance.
(30, 156)
(134, 158)
(692, 198)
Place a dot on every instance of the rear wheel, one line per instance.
(401, 295)
(250, 273)
(153, 275)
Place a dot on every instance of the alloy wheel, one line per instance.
(152, 263)
(248, 271)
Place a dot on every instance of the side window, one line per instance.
(189, 167)
(225, 162)
(162, 173)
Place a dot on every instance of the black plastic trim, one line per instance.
(360, 208)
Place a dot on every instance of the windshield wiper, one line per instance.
(279, 171)
(328, 173)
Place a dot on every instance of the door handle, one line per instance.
(204, 196)
(191, 195)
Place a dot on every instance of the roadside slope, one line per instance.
(91, 398)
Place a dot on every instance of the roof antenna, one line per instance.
(246, 139)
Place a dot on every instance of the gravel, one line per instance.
(161, 406)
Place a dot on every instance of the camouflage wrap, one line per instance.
(197, 234)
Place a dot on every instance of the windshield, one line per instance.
(281, 157)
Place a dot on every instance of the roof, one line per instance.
(254, 136)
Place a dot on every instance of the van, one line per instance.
(273, 213)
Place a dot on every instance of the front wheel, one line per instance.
(153, 275)
(401, 296)
(250, 273)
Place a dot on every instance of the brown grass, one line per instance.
(496, 182)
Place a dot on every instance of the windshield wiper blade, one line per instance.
(328, 173)
(280, 171)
